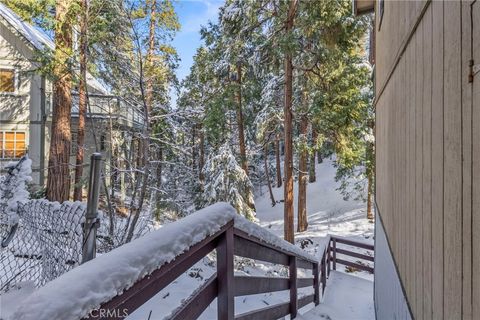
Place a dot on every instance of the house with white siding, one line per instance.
(26, 102)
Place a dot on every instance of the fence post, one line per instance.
(225, 300)
(334, 254)
(91, 219)
(293, 286)
(323, 278)
(328, 258)
(316, 284)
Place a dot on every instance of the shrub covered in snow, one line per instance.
(13, 187)
(226, 181)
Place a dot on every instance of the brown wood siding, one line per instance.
(428, 152)
(474, 105)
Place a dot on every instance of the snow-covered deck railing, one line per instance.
(333, 250)
(117, 283)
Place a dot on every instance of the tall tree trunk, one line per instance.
(241, 133)
(312, 173)
(82, 103)
(194, 149)
(201, 160)
(147, 97)
(149, 58)
(58, 183)
(157, 195)
(288, 122)
(267, 174)
(302, 224)
(277, 160)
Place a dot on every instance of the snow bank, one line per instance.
(346, 297)
(13, 188)
(73, 294)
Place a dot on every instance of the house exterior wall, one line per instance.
(390, 300)
(21, 110)
(29, 109)
(428, 155)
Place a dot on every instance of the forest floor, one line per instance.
(328, 213)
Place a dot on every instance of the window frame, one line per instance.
(3, 143)
(15, 80)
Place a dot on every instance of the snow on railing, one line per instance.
(119, 277)
(75, 293)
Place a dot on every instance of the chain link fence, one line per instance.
(40, 240)
(46, 243)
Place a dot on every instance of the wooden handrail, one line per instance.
(223, 285)
(333, 250)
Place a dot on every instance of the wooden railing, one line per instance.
(333, 250)
(223, 285)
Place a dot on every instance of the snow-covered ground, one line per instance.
(328, 213)
(346, 297)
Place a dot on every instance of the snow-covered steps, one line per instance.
(346, 297)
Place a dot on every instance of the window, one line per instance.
(12, 144)
(7, 80)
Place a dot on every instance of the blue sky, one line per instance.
(192, 15)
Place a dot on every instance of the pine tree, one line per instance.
(82, 101)
(227, 181)
(58, 183)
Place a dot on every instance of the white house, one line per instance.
(26, 109)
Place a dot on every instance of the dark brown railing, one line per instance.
(334, 250)
(228, 242)
(223, 285)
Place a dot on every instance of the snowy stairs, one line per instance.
(346, 297)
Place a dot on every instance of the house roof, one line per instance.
(39, 40)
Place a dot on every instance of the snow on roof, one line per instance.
(39, 40)
(75, 293)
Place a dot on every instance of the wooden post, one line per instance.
(323, 278)
(225, 279)
(316, 283)
(334, 254)
(328, 258)
(293, 286)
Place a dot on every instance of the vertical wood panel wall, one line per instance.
(428, 152)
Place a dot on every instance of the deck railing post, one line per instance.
(225, 278)
(316, 283)
(293, 286)
(323, 278)
(334, 254)
(328, 258)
